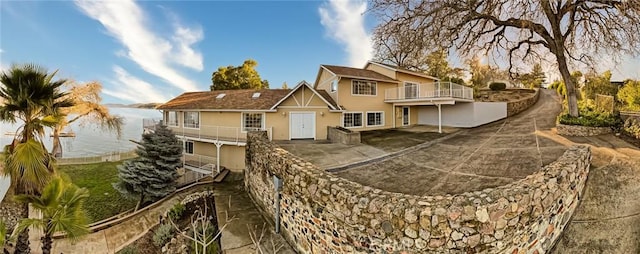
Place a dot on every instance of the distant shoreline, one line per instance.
(152, 105)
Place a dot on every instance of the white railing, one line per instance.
(200, 163)
(429, 91)
(217, 133)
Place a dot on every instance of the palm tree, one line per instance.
(86, 99)
(29, 95)
(61, 207)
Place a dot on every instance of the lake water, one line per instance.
(90, 139)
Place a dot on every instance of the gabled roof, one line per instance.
(232, 100)
(399, 69)
(356, 73)
(321, 93)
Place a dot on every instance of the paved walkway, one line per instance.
(243, 221)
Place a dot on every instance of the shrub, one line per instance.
(177, 211)
(497, 86)
(632, 128)
(130, 249)
(163, 234)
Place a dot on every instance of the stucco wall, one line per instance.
(464, 115)
(322, 213)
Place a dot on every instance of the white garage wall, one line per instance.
(469, 114)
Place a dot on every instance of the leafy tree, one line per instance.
(629, 94)
(533, 79)
(86, 109)
(437, 64)
(482, 74)
(573, 31)
(284, 85)
(61, 207)
(244, 76)
(31, 96)
(598, 84)
(153, 174)
(561, 89)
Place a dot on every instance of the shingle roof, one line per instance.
(233, 99)
(357, 73)
(328, 98)
(405, 70)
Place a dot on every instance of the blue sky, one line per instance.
(151, 51)
(154, 50)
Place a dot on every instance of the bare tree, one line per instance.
(396, 44)
(574, 31)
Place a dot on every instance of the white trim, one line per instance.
(199, 120)
(223, 110)
(417, 86)
(177, 123)
(408, 116)
(368, 95)
(381, 119)
(401, 70)
(295, 89)
(353, 112)
(315, 84)
(298, 107)
(263, 120)
(303, 112)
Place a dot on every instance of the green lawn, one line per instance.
(104, 201)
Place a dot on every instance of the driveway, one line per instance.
(473, 159)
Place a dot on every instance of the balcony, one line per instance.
(199, 163)
(212, 134)
(428, 92)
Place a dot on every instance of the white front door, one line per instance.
(302, 125)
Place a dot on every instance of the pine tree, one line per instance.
(153, 174)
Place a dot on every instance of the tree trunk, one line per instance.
(139, 202)
(56, 150)
(569, 84)
(47, 243)
(22, 244)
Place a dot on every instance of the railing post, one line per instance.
(450, 90)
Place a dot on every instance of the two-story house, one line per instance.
(213, 124)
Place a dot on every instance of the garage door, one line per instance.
(302, 125)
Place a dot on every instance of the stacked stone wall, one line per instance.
(515, 107)
(322, 213)
(581, 131)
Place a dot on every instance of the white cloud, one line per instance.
(130, 88)
(344, 22)
(125, 21)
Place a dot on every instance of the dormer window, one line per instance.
(255, 95)
(220, 96)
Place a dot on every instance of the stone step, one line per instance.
(221, 176)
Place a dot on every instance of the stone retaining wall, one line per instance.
(581, 131)
(516, 107)
(322, 213)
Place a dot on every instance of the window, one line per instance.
(334, 86)
(192, 119)
(251, 121)
(375, 118)
(188, 147)
(352, 120)
(363, 87)
(171, 118)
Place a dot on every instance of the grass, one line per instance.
(104, 201)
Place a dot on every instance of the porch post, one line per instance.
(439, 118)
(393, 115)
(218, 145)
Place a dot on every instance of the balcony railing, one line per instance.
(429, 91)
(217, 133)
(200, 163)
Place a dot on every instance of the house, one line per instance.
(213, 124)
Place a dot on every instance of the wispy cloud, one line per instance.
(129, 88)
(154, 53)
(344, 23)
